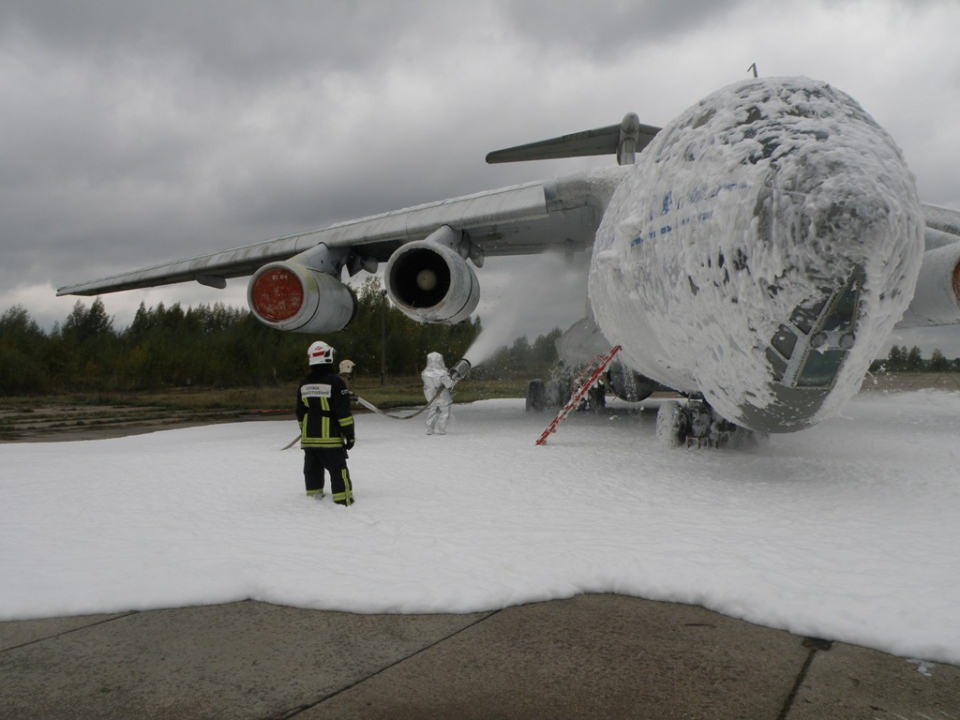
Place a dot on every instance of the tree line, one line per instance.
(216, 345)
(220, 346)
(899, 359)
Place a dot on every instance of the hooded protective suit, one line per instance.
(436, 384)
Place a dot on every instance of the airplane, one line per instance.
(754, 254)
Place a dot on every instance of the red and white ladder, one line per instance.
(595, 369)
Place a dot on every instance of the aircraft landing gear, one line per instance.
(696, 424)
(672, 425)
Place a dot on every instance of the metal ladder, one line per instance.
(595, 369)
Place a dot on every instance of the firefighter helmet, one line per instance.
(320, 354)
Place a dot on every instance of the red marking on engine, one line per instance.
(956, 281)
(277, 295)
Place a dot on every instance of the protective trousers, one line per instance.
(334, 461)
(437, 417)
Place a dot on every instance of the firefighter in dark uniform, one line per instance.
(326, 426)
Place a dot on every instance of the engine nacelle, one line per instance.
(290, 296)
(432, 282)
(937, 297)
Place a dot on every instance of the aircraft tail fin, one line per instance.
(624, 140)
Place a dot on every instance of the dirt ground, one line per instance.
(34, 421)
(44, 423)
(904, 382)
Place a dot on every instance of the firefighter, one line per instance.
(346, 374)
(326, 426)
(436, 388)
(346, 370)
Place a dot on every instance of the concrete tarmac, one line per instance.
(591, 656)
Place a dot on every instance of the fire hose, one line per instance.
(459, 371)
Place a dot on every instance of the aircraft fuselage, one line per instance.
(760, 251)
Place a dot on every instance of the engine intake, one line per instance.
(430, 281)
(292, 297)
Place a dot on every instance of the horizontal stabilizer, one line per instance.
(609, 140)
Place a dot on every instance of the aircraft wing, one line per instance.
(943, 226)
(936, 300)
(517, 220)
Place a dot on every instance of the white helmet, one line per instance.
(346, 367)
(320, 354)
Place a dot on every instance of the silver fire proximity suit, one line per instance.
(436, 387)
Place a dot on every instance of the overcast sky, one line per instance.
(137, 132)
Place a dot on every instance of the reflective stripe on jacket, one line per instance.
(323, 410)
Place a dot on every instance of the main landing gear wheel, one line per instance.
(696, 424)
(672, 425)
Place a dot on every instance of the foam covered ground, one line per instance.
(849, 531)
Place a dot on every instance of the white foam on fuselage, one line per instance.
(741, 209)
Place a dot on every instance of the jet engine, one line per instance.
(937, 297)
(429, 280)
(290, 296)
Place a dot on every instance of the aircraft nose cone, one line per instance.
(853, 225)
(829, 231)
(853, 248)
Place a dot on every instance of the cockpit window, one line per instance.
(777, 363)
(805, 316)
(821, 368)
(842, 314)
(784, 342)
(809, 350)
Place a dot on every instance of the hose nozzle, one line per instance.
(460, 370)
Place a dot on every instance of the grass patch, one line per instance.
(395, 392)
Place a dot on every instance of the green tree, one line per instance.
(85, 325)
(938, 363)
(545, 350)
(84, 352)
(896, 359)
(23, 367)
(914, 361)
(210, 345)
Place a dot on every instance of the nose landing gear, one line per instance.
(695, 424)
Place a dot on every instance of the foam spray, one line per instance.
(548, 281)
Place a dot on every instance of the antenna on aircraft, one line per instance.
(754, 68)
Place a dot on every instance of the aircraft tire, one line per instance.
(535, 396)
(672, 425)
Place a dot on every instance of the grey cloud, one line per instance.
(604, 30)
(135, 124)
(139, 132)
(244, 40)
